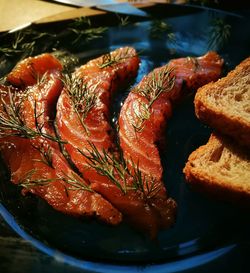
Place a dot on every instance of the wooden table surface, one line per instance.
(15, 13)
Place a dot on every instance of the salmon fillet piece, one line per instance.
(94, 139)
(28, 71)
(33, 155)
(83, 109)
(145, 112)
(142, 126)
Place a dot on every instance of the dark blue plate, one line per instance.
(205, 229)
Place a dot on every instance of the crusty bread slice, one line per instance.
(225, 105)
(221, 169)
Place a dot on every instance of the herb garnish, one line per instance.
(12, 121)
(115, 167)
(115, 57)
(124, 20)
(72, 181)
(23, 41)
(28, 182)
(162, 30)
(45, 152)
(158, 82)
(82, 96)
(83, 29)
(219, 33)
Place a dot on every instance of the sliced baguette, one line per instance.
(220, 169)
(225, 105)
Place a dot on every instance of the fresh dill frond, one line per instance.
(142, 112)
(123, 20)
(23, 42)
(12, 121)
(27, 181)
(46, 154)
(74, 183)
(219, 33)
(83, 30)
(115, 57)
(194, 61)
(107, 165)
(116, 168)
(88, 34)
(81, 22)
(2, 80)
(149, 186)
(162, 30)
(82, 96)
(108, 60)
(158, 82)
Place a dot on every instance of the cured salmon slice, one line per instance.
(28, 71)
(130, 191)
(196, 72)
(91, 145)
(56, 183)
(142, 127)
(144, 114)
(31, 152)
(83, 109)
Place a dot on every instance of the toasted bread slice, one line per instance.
(225, 104)
(221, 169)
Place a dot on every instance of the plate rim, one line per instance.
(107, 267)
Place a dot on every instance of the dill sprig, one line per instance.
(156, 84)
(12, 121)
(2, 80)
(81, 22)
(142, 114)
(107, 165)
(28, 182)
(83, 29)
(23, 42)
(115, 167)
(162, 30)
(82, 96)
(46, 154)
(149, 186)
(74, 183)
(219, 33)
(123, 20)
(113, 58)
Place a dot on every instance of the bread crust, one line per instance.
(204, 182)
(236, 127)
